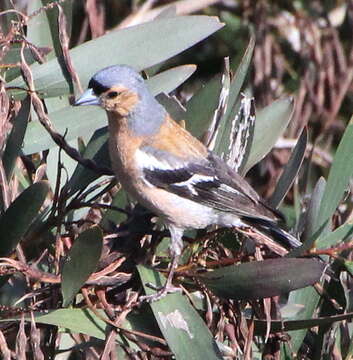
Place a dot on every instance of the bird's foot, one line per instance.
(160, 294)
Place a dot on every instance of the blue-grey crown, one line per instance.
(116, 75)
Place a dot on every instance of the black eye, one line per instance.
(112, 94)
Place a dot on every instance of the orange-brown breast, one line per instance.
(172, 138)
(122, 146)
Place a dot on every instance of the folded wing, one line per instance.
(208, 181)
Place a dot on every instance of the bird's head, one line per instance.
(117, 89)
(122, 92)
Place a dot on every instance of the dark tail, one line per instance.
(272, 230)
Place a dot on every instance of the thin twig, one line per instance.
(64, 42)
(45, 121)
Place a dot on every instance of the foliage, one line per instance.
(77, 252)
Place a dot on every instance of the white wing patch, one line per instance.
(194, 180)
(149, 161)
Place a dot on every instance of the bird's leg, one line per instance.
(175, 250)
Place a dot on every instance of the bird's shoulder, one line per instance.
(175, 139)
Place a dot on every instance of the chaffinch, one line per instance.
(169, 171)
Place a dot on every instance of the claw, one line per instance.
(168, 287)
(160, 294)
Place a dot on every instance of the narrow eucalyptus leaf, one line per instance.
(13, 56)
(167, 81)
(308, 297)
(290, 171)
(262, 279)
(200, 108)
(38, 28)
(292, 325)
(184, 330)
(20, 214)
(52, 15)
(15, 139)
(85, 321)
(341, 234)
(97, 150)
(270, 124)
(81, 262)
(82, 321)
(173, 106)
(140, 46)
(113, 217)
(340, 175)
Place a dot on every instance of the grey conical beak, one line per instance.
(87, 98)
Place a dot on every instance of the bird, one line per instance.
(169, 171)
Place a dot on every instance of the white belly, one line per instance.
(176, 210)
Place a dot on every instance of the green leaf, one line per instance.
(67, 162)
(167, 81)
(339, 177)
(340, 174)
(84, 120)
(81, 262)
(97, 150)
(76, 121)
(38, 29)
(200, 108)
(290, 171)
(139, 46)
(291, 325)
(82, 321)
(270, 124)
(9, 17)
(18, 217)
(15, 139)
(112, 216)
(349, 266)
(187, 335)
(42, 32)
(13, 56)
(172, 105)
(262, 279)
(341, 234)
(52, 15)
(308, 298)
(312, 213)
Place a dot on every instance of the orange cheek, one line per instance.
(110, 106)
(123, 105)
(122, 111)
